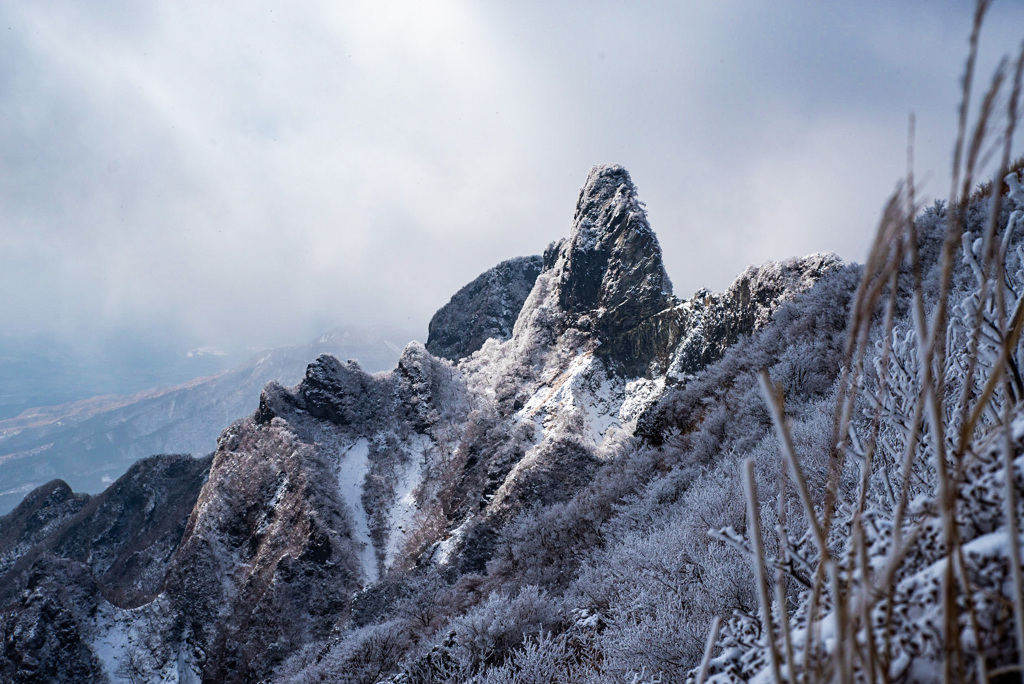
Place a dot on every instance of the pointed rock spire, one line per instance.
(610, 275)
(612, 257)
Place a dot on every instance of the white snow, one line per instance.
(640, 395)
(112, 647)
(446, 547)
(403, 510)
(129, 646)
(1016, 190)
(584, 394)
(351, 475)
(1017, 427)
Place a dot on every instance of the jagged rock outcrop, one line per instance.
(709, 322)
(308, 502)
(82, 558)
(610, 277)
(41, 515)
(596, 342)
(485, 308)
(267, 559)
(125, 535)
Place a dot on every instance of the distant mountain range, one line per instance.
(48, 370)
(91, 442)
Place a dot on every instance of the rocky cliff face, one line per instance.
(321, 503)
(485, 308)
(610, 277)
(71, 562)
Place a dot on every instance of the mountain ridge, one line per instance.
(349, 481)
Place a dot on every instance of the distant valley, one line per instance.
(90, 442)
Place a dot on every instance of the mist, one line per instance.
(244, 175)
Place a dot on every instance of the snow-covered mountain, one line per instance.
(90, 443)
(558, 493)
(316, 507)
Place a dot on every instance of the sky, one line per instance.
(253, 173)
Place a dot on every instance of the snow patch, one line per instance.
(639, 396)
(129, 646)
(112, 648)
(403, 510)
(445, 548)
(584, 399)
(351, 474)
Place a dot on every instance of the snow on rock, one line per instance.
(402, 515)
(1015, 189)
(639, 395)
(708, 323)
(130, 647)
(352, 470)
(584, 400)
(442, 554)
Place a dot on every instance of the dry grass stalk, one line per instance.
(855, 588)
(709, 649)
(754, 524)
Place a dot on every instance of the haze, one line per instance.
(241, 174)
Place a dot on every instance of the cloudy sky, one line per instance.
(253, 173)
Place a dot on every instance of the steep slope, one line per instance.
(88, 444)
(336, 493)
(125, 535)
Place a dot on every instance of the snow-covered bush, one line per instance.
(489, 632)
(364, 657)
(913, 570)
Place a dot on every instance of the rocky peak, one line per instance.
(609, 274)
(612, 260)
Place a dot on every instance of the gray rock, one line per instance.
(610, 276)
(125, 535)
(485, 308)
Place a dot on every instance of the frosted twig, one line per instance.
(709, 648)
(754, 521)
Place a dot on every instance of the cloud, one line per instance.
(249, 173)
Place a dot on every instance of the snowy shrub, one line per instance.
(914, 570)
(568, 658)
(363, 657)
(487, 633)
